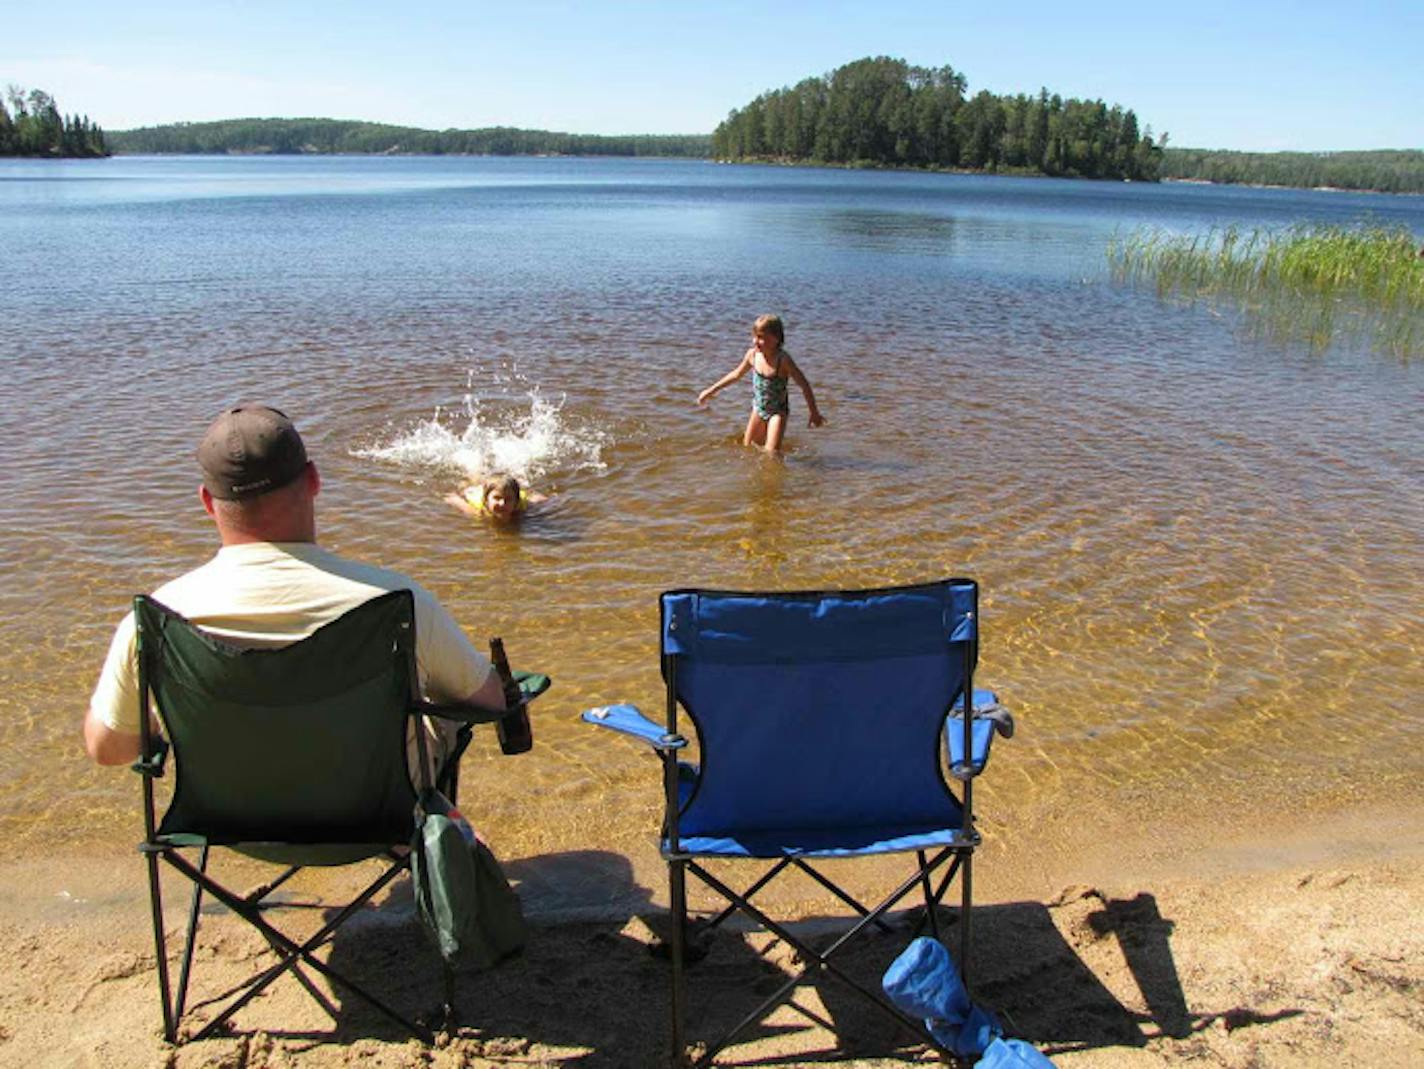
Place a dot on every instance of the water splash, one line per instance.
(509, 426)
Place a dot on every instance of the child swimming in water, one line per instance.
(771, 367)
(498, 497)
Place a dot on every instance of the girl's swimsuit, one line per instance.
(769, 391)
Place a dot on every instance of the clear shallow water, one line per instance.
(1199, 552)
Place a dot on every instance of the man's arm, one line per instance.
(490, 694)
(106, 746)
(111, 725)
(453, 670)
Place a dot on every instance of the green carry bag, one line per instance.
(464, 900)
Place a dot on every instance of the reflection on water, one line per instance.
(891, 231)
(1200, 554)
(764, 538)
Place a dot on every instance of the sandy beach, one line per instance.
(1297, 946)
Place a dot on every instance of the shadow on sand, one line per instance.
(1079, 973)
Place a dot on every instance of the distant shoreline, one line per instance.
(861, 165)
(1373, 171)
(1027, 173)
(1277, 185)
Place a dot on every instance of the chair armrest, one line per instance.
(987, 719)
(153, 764)
(461, 712)
(987, 707)
(531, 685)
(628, 720)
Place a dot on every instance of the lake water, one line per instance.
(1200, 551)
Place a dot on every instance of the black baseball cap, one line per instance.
(250, 450)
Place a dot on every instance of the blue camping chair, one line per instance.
(820, 719)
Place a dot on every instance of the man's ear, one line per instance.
(313, 478)
(206, 497)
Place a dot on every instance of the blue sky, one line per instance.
(1264, 75)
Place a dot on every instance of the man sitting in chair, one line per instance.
(271, 585)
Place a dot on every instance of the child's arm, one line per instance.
(727, 379)
(815, 419)
(458, 501)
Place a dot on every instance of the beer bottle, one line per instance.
(515, 734)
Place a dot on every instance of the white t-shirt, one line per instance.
(270, 594)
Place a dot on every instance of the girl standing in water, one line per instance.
(772, 368)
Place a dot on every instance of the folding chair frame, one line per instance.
(680, 863)
(292, 955)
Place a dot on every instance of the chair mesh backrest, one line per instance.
(301, 744)
(819, 710)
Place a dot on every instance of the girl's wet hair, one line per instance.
(508, 484)
(770, 324)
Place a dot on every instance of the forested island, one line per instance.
(333, 136)
(883, 112)
(33, 126)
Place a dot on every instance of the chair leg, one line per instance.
(771, 874)
(447, 1011)
(308, 984)
(447, 776)
(257, 899)
(930, 903)
(160, 946)
(266, 889)
(188, 942)
(677, 893)
(293, 953)
(947, 879)
(842, 895)
(966, 886)
(813, 959)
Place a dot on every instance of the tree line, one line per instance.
(883, 112)
(333, 136)
(1385, 170)
(32, 126)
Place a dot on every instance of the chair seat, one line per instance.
(772, 843)
(818, 842)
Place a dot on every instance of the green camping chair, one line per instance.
(294, 755)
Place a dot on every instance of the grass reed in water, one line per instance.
(1310, 282)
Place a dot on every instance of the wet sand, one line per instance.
(1298, 945)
